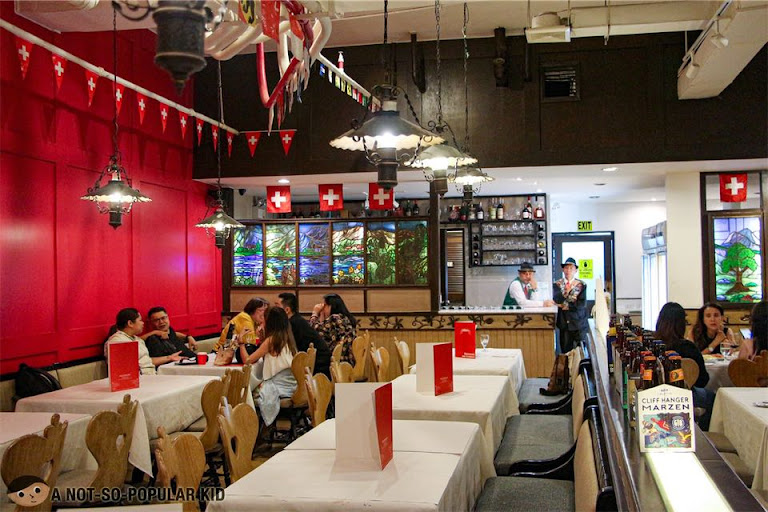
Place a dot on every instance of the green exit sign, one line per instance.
(585, 225)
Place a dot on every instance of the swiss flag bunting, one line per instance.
(58, 69)
(199, 128)
(331, 197)
(286, 138)
(279, 199)
(119, 93)
(253, 140)
(91, 79)
(733, 188)
(215, 136)
(164, 115)
(379, 198)
(230, 137)
(183, 119)
(24, 50)
(270, 18)
(141, 102)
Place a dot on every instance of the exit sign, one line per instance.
(585, 225)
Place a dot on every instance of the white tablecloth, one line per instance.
(494, 361)
(718, 375)
(746, 426)
(487, 400)
(172, 401)
(312, 481)
(206, 369)
(74, 455)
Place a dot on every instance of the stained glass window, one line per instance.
(248, 266)
(412, 239)
(348, 258)
(281, 255)
(738, 269)
(314, 254)
(381, 252)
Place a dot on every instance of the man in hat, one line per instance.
(522, 291)
(570, 294)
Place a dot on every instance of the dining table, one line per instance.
(741, 414)
(171, 401)
(718, 373)
(74, 453)
(209, 369)
(487, 400)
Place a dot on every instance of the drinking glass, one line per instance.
(727, 350)
(484, 339)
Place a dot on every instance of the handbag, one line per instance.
(559, 380)
(224, 356)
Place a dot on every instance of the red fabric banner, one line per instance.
(91, 79)
(286, 139)
(164, 115)
(270, 18)
(24, 51)
(230, 138)
(199, 128)
(119, 94)
(331, 197)
(253, 140)
(733, 188)
(141, 103)
(279, 199)
(183, 120)
(59, 65)
(215, 136)
(379, 198)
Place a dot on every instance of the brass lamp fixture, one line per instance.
(116, 196)
(387, 139)
(219, 222)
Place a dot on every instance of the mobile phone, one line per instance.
(746, 333)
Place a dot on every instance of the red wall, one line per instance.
(64, 272)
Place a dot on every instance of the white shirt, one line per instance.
(145, 362)
(275, 364)
(517, 293)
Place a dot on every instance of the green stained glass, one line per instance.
(248, 258)
(348, 255)
(380, 243)
(738, 264)
(281, 255)
(412, 245)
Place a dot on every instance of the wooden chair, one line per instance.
(109, 437)
(380, 359)
(312, 353)
(341, 372)
(404, 352)
(750, 374)
(319, 391)
(295, 407)
(690, 372)
(239, 428)
(181, 459)
(237, 385)
(336, 355)
(36, 455)
(360, 348)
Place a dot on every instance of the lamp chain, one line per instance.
(466, 87)
(385, 49)
(115, 151)
(219, 143)
(437, 65)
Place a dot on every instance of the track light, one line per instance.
(718, 39)
(692, 70)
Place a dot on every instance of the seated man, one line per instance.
(304, 334)
(129, 326)
(164, 342)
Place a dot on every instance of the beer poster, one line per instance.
(665, 419)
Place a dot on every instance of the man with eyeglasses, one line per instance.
(165, 345)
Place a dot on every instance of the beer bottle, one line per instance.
(650, 379)
(675, 376)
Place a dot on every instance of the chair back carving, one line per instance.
(750, 374)
(239, 429)
(236, 385)
(300, 361)
(210, 399)
(109, 437)
(319, 391)
(360, 348)
(404, 352)
(312, 353)
(36, 456)
(341, 372)
(181, 459)
(336, 354)
(690, 372)
(380, 358)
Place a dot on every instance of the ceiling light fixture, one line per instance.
(117, 196)
(610, 169)
(693, 69)
(283, 181)
(221, 223)
(387, 140)
(718, 39)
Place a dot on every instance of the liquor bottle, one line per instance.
(408, 210)
(492, 210)
(480, 213)
(472, 213)
(500, 210)
(527, 210)
(454, 215)
(539, 211)
(416, 209)
(463, 213)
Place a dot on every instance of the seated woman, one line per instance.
(248, 326)
(759, 341)
(670, 328)
(335, 324)
(709, 330)
(276, 351)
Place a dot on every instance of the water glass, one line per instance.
(727, 350)
(484, 339)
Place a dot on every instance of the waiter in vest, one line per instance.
(522, 291)
(570, 294)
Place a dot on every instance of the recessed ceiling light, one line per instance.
(599, 184)
(653, 199)
(283, 181)
(518, 179)
(610, 169)
(535, 182)
(539, 191)
(594, 197)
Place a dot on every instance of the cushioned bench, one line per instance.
(584, 483)
(529, 395)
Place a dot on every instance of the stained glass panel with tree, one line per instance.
(314, 254)
(737, 255)
(281, 255)
(348, 255)
(248, 264)
(412, 237)
(380, 243)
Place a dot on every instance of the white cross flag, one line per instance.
(331, 197)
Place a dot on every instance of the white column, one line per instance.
(684, 265)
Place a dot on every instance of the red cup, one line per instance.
(202, 358)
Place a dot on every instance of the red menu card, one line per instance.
(123, 365)
(382, 398)
(464, 338)
(443, 368)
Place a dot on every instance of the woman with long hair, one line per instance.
(759, 341)
(335, 324)
(709, 331)
(670, 328)
(276, 354)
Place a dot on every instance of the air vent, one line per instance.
(560, 83)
